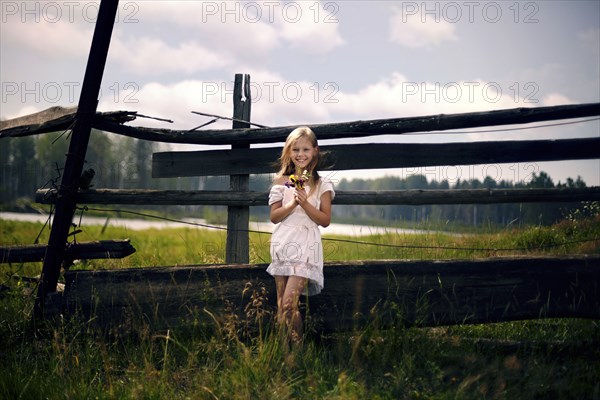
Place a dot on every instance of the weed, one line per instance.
(240, 355)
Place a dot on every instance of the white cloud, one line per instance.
(26, 110)
(147, 36)
(399, 96)
(410, 31)
(228, 25)
(275, 102)
(252, 29)
(50, 39)
(311, 27)
(172, 101)
(555, 99)
(152, 56)
(278, 101)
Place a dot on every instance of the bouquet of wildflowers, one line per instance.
(298, 181)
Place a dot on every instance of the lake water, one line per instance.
(138, 224)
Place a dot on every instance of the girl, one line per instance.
(298, 209)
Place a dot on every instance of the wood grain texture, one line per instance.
(376, 156)
(388, 293)
(84, 250)
(371, 197)
(355, 129)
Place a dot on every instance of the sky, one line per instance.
(314, 62)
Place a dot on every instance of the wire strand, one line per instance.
(360, 242)
(509, 129)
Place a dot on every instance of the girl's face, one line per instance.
(302, 153)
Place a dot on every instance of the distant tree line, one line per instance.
(467, 214)
(33, 162)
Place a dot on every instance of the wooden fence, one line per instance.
(406, 292)
(426, 292)
(385, 292)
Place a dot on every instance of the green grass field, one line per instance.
(188, 245)
(69, 359)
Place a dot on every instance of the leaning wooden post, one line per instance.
(88, 102)
(237, 248)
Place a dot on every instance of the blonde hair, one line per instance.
(285, 164)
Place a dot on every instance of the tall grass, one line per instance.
(216, 357)
(185, 246)
(216, 360)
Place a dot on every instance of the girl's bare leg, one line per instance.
(280, 283)
(291, 311)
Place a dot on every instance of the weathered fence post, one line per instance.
(88, 102)
(237, 248)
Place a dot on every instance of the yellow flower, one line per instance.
(298, 181)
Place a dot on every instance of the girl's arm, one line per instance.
(280, 211)
(322, 215)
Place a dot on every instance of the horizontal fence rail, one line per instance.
(375, 156)
(395, 292)
(365, 197)
(56, 119)
(355, 129)
(77, 251)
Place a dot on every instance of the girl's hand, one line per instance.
(321, 215)
(301, 197)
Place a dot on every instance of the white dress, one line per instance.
(296, 248)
